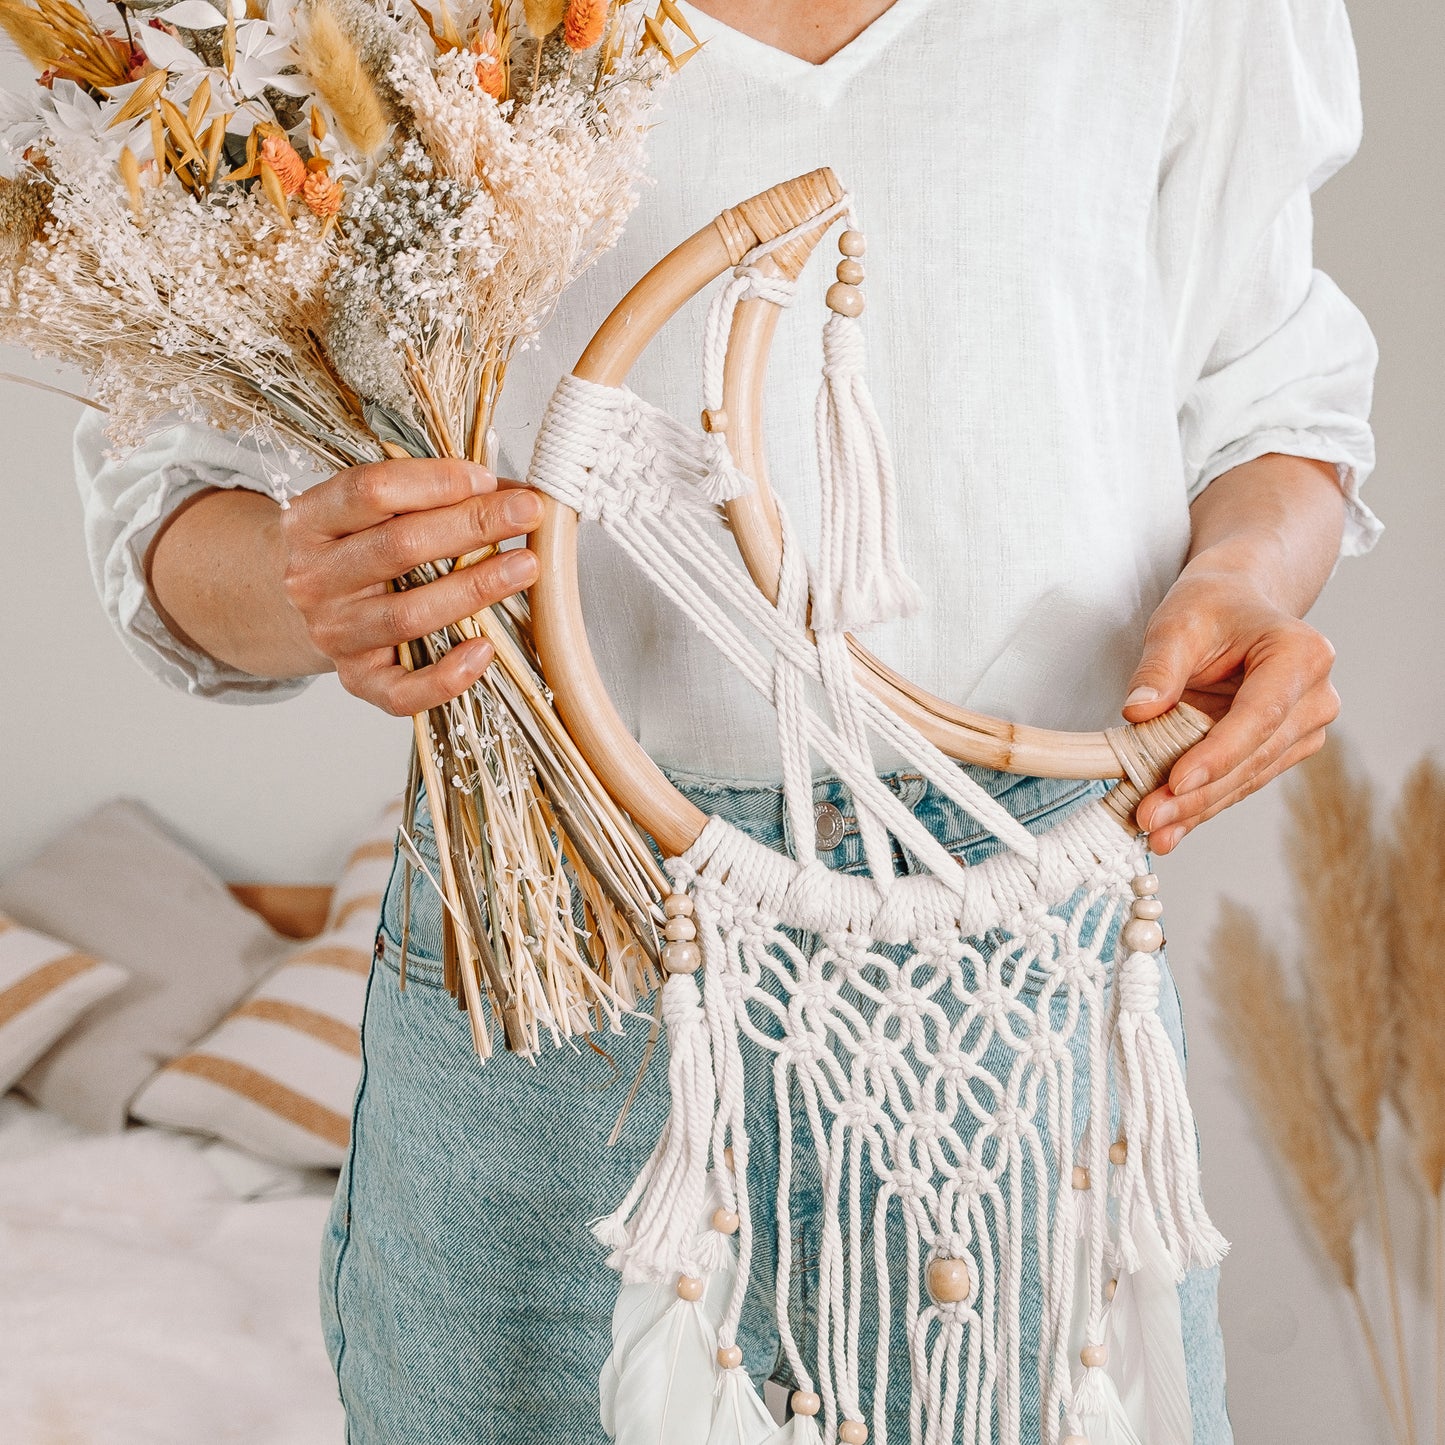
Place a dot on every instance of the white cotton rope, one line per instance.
(932, 1028)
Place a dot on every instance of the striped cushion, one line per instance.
(277, 1075)
(45, 985)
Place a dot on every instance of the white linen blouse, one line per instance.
(1090, 291)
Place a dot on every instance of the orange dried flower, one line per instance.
(586, 20)
(491, 73)
(321, 194)
(280, 155)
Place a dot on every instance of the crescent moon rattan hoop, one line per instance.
(1140, 755)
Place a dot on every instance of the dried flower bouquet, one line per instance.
(334, 222)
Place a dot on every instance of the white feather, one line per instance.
(739, 1415)
(666, 1386)
(1146, 1344)
(1100, 1411)
(800, 1430)
(638, 1309)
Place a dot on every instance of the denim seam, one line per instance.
(345, 1245)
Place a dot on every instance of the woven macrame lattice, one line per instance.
(939, 1027)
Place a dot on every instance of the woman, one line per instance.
(1130, 420)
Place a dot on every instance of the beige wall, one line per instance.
(274, 792)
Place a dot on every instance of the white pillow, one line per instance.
(45, 985)
(277, 1075)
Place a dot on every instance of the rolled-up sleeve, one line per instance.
(1269, 355)
(127, 499)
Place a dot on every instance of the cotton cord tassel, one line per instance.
(1159, 1172)
(861, 574)
(724, 480)
(661, 1239)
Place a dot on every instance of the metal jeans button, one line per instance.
(827, 826)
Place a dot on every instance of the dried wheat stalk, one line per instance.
(1269, 1035)
(1417, 879)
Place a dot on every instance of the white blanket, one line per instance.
(157, 1290)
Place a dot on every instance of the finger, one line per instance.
(391, 618)
(1164, 807)
(1286, 668)
(415, 538)
(1167, 839)
(1173, 652)
(395, 690)
(361, 497)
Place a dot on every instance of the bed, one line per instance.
(157, 1288)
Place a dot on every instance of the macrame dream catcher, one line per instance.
(881, 1025)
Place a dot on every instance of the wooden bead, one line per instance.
(852, 243)
(1110, 1290)
(714, 419)
(805, 1402)
(948, 1280)
(681, 957)
(680, 930)
(729, 1356)
(1081, 1177)
(1146, 884)
(728, 1158)
(1094, 1357)
(677, 905)
(1118, 1151)
(725, 1221)
(852, 1432)
(1147, 908)
(689, 1288)
(850, 272)
(1142, 935)
(846, 301)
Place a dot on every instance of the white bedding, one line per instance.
(157, 1290)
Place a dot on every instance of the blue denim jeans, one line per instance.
(464, 1298)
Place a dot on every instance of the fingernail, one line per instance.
(518, 568)
(1141, 695)
(482, 480)
(1163, 813)
(1190, 781)
(522, 509)
(1163, 842)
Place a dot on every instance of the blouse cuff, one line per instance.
(1353, 464)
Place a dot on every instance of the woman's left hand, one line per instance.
(1220, 643)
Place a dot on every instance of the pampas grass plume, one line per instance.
(1344, 914)
(1418, 933)
(1268, 1035)
(335, 66)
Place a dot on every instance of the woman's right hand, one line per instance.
(345, 538)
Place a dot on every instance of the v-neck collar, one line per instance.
(825, 81)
